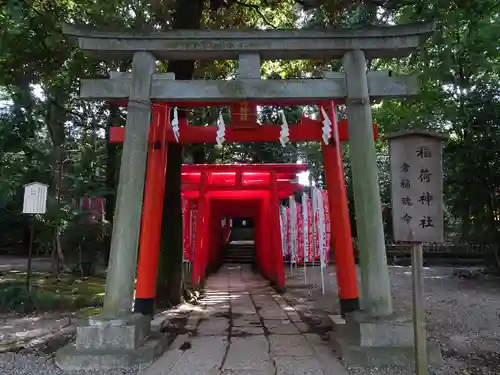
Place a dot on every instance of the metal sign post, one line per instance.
(417, 213)
(35, 202)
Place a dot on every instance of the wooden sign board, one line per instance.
(35, 198)
(244, 115)
(417, 186)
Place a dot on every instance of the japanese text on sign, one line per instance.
(417, 194)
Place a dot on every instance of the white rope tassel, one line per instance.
(221, 130)
(175, 125)
(285, 132)
(327, 127)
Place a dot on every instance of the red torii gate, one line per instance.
(243, 128)
(232, 190)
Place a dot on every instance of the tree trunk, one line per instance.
(56, 118)
(170, 281)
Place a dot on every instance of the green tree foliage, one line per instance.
(47, 134)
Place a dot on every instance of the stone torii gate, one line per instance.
(118, 337)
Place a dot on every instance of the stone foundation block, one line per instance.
(364, 330)
(361, 340)
(105, 343)
(353, 355)
(70, 358)
(100, 333)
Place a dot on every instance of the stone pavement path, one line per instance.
(243, 327)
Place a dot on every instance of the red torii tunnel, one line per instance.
(246, 190)
(240, 191)
(221, 191)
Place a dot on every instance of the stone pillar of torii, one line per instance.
(355, 86)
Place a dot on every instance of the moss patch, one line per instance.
(49, 293)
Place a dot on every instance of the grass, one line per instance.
(50, 293)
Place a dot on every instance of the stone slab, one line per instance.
(290, 345)
(99, 333)
(248, 372)
(243, 310)
(252, 320)
(294, 316)
(250, 353)
(302, 327)
(273, 314)
(69, 358)
(213, 326)
(247, 331)
(281, 327)
(298, 366)
(204, 357)
(263, 299)
(324, 353)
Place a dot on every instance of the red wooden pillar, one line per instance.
(210, 242)
(206, 240)
(149, 242)
(339, 214)
(275, 229)
(257, 240)
(200, 240)
(264, 237)
(216, 233)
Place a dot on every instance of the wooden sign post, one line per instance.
(35, 202)
(417, 212)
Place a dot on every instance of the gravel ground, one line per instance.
(39, 364)
(37, 359)
(462, 314)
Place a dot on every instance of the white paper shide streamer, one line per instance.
(221, 130)
(285, 131)
(175, 124)
(318, 210)
(283, 226)
(305, 231)
(293, 231)
(327, 127)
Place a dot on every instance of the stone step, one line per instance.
(230, 248)
(228, 259)
(239, 253)
(239, 256)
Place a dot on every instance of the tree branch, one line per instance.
(257, 9)
(387, 4)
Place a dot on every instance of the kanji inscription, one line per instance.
(417, 192)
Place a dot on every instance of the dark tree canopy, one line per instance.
(47, 134)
